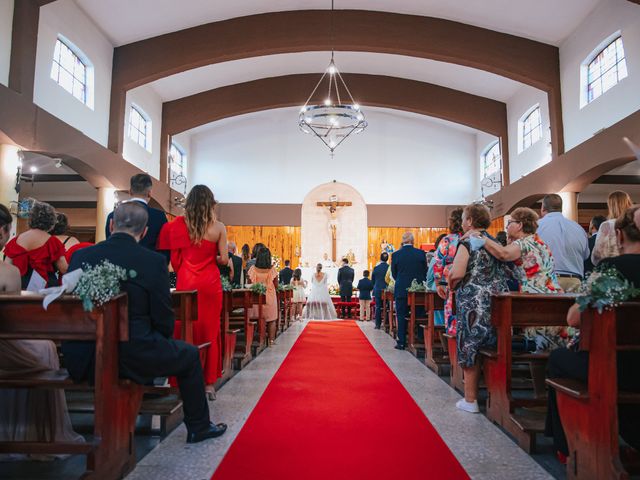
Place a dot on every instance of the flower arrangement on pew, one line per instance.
(334, 289)
(100, 283)
(417, 286)
(390, 288)
(275, 262)
(259, 288)
(226, 284)
(604, 289)
(285, 288)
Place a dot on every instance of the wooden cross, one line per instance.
(333, 206)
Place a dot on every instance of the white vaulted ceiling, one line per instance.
(549, 21)
(457, 77)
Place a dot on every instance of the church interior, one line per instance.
(333, 134)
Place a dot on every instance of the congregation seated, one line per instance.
(572, 363)
(36, 253)
(150, 351)
(29, 415)
(475, 275)
(264, 272)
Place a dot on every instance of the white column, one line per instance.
(570, 205)
(106, 201)
(9, 161)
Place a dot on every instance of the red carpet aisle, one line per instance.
(334, 410)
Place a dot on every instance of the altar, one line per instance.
(331, 272)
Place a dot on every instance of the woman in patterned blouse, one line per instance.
(534, 268)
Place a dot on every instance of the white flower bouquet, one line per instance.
(417, 286)
(605, 288)
(100, 283)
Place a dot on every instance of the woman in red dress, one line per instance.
(198, 243)
(36, 250)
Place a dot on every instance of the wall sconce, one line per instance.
(179, 202)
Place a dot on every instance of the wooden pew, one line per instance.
(111, 455)
(415, 300)
(589, 412)
(243, 299)
(389, 313)
(435, 352)
(229, 340)
(510, 310)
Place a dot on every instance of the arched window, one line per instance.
(605, 69)
(491, 160)
(71, 70)
(140, 127)
(178, 167)
(531, 128)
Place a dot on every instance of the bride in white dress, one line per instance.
(319, 305)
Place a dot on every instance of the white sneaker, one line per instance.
(471, 407)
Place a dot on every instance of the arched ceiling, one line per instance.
(458, 77)
(548, 21)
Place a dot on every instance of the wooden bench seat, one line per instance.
(589, 411)
(509, 310)
(111, 455)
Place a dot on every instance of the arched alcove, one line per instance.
(350, 225)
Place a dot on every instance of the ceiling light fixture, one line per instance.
(333, 120)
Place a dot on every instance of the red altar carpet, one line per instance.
(334, 410)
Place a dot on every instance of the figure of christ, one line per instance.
(333, 206)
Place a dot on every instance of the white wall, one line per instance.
(620, 101)
(6, 28)
(483, 140)
(149, 101)
(538, 154)
(184, 140)
(400, 158)
(65, 18)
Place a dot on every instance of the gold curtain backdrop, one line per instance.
(285, 242)
(282, 241)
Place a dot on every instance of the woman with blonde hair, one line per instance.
(198, 244)
(606, 244)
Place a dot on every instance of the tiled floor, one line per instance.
(482, 449)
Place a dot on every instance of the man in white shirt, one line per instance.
(567, 241)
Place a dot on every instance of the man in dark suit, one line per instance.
(286, 273)
(407, 264)
(345, 280)
(151, 351)
(236, 261)
(140, 191)
(594, 226)
(379, 285)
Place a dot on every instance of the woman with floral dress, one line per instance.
(474, 276)
(444, 255)
(534, 269)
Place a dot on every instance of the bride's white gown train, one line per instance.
(319, 305)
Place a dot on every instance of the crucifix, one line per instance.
(333, 204)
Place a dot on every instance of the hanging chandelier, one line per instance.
(339, 115)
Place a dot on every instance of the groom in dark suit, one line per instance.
(407, 264)
(140, 191)
(345, 280)
(151, 351)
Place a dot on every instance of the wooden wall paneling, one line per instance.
(283, 241)
(393, 235)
